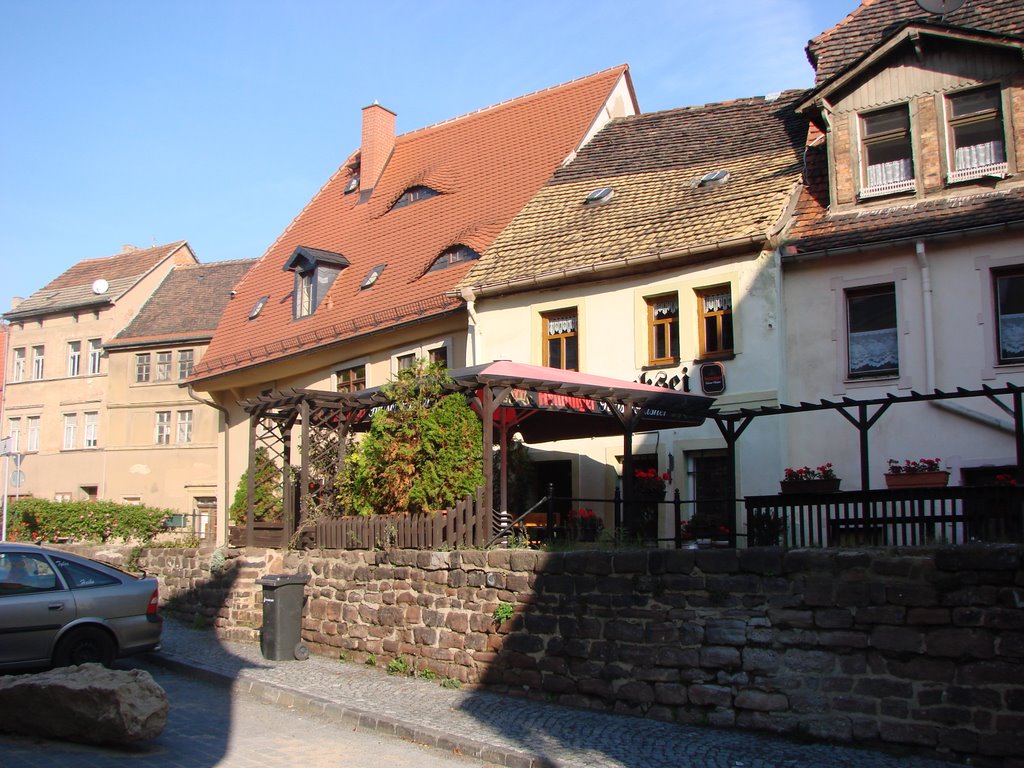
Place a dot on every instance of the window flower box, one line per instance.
(923, 473)
(806, 480)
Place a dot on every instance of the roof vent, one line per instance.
(602, 195)
(713, 179)
(100, 286)
(352, 186)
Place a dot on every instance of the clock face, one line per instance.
(940, 6)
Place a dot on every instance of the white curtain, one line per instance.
(560, 325)
(881, 174)
(979, 155)
(1011, 335)
(874, 350)
(717, 302)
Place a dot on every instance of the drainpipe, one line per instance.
(222, 532)
(929, 351)
(470, 298)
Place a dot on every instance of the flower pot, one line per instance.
(938, 479)
(830, 485)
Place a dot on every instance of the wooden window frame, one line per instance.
(902, 136)
(662, 329)
(351, 378)
(564, 339)
(719, 316)
(992, 115)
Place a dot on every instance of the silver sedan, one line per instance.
(60, 609)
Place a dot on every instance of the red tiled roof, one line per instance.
(486, 164)
(840, 46)
(188, 302)
(74, 287)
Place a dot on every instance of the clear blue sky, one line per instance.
(216, 122)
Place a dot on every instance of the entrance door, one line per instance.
(710, 492)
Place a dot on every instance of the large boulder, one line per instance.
(87, 703)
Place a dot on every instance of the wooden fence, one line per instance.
(910, 517)
(468, 524)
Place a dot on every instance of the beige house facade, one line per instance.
(162, 439)
(57, 372)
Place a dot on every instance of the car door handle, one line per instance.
(56, 606)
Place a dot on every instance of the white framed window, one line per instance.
(95, 356)
(1009, 310)
(18, 368)
(74, 358)
(887, 157)
(163, 366)
(32, 436)
(975, 136)
(92, 427)
(142, 368)
(70, 431)
(14, 432)
(186, 362)
(871, 332)
(304, 293)
(436, 351)
(162, 434)
(183, 434)
(38, 362)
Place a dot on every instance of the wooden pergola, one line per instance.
(543, 404)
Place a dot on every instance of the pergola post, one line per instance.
(250, 505)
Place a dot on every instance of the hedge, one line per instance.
(102, 521)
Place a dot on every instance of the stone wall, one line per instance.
(916, 648)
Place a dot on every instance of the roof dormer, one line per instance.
(315, 272)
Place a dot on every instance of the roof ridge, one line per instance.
(523, 97)
(135, 251)
(777, 96)
(201, 264)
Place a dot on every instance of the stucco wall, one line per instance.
(920, 648)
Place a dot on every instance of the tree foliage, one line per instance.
(267, 501)
(421, 454)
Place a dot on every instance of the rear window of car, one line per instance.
(80, 576)
(23, 574)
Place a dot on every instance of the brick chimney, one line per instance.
(378, 143)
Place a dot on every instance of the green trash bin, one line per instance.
(281, 636)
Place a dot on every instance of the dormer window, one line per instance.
(412, 194)
(886, 154)
(315, 272)
(977, 144)
(454, 255)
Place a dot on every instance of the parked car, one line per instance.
(58, 609)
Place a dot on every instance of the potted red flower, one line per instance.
(820, 479)
(922, 473)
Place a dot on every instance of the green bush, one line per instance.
(267, 504)
(421, 454)
(40, 519)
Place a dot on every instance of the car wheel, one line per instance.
(85, 645)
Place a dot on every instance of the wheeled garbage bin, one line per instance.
(281, 636)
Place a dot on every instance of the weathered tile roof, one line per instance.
(73, 289)
(814, 228)
(653, 162)
(187, 304)
(486, 165)
(840, 46)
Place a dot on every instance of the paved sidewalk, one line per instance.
(504, 730)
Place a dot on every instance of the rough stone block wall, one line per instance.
(922, 648)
